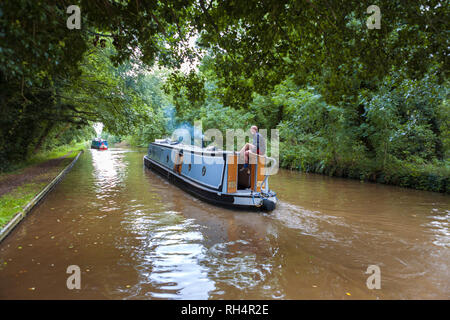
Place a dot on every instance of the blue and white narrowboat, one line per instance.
(99, 144)
(213, 175)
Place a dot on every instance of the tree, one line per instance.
(323, 43)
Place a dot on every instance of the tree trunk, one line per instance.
(43, 137)
(63, 130)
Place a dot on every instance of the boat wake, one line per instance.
(310, 223)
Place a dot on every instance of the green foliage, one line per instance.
(443, 113)
(400, 139)
(55, 82)
(111, 138)
(326, 44)
(145, 133)
(35, 45)
(404, 119)
(349, 101)
(185, 89)
(62, 112)
(195, 98)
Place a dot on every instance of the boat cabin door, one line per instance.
(253, 176)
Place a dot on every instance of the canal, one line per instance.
(135, 236)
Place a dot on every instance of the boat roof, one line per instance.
(189, 147)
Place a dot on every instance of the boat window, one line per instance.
(203, 170)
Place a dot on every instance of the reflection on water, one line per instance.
(439, 227)
(168, 257)
(135, 236)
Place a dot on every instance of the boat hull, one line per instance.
(99, 144)
(242, 201)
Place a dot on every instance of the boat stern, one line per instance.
(264, 201)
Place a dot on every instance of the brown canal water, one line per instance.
(135, 236)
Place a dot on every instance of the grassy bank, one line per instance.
(41, 157)
(13, 202)
(31, 176)
(421, 176)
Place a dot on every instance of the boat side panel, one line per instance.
(211, 196)
(206, 170)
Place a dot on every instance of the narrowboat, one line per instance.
(99, 144)
(214, 175)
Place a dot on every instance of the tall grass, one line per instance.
(44, 156)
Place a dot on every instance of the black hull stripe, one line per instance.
(209, 196)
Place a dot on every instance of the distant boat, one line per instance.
(99, 144)
(213, 175)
